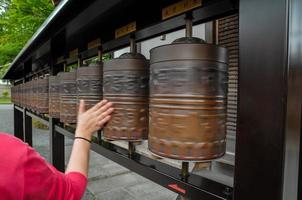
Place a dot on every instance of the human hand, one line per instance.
(93, 119)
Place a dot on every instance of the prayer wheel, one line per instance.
(68, 97)
(18, 96)
(34, 97)
(38, 95)
(125, 83)
(188, 91)
(54, 96)
(89, 84)
(25, 95)
(43, 105)
(31, 95)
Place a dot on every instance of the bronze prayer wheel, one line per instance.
(38, 95)
(125, 84)
(43, 96)
(25, 95)
(22, 95)
(89, 84)
(28, 94)
(188, 90)
(54, 96)
(19, 94)
(68, 97)
(34, 97)
(31, 96)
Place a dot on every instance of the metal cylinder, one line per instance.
(25, 94)
(38, 95)
(188, 88)
(68, 97)
(89, 84)
(34, 95)
(54, 96)
(23, 89)
(29, 95)
(43, 105)
(125, 84)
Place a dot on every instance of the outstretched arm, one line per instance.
(43, 181)
(88, 122)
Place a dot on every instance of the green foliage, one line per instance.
(107, 56)
(37, 124)
(19, 19)
(5, 93)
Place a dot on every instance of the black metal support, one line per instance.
(18, 122)
(196, 187)
(56, 140)
(27, 126)
(57, 146)
(184, 171)
(131, 149)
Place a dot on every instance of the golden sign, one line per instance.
(180, 7)
(94, 44)
(73, 53)
(129, 28)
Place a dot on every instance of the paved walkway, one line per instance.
(107, 180)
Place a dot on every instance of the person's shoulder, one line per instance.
(6, 138)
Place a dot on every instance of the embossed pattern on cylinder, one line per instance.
(34, 95)
(43, 105)
(54, 96)
(188, 88)
(68, 97)
(89, 84)
(125, 84)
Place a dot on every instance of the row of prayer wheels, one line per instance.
(32, 95)
(177, 100)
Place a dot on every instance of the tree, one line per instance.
(19, 19)
(5, 94)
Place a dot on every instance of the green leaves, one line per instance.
(19, 19)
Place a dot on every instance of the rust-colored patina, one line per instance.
(89, 84)
(188, 90)
(28, 95)
(126, 86)
(68, 97)
(25, 94)
(54, 96)
(43, 105)
(34, 95)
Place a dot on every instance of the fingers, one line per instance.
(98, 105)
(105, 113)
(103, 108)
(104, 121)
(82, 106)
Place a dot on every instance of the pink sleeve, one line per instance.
(43, 181)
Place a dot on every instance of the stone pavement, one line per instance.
(107, 180)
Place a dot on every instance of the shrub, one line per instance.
(5, 93)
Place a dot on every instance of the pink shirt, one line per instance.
(24, 174)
